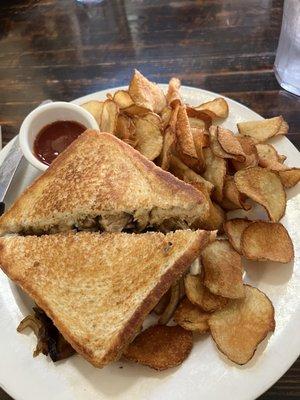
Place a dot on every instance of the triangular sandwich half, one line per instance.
(101, 183)
(98, 288)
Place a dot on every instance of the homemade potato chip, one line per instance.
(232, 198)
(220, 139)
(149, 140)
(265, 188)
(199, 295)
(215, 172)
(234, 229)
(230, 144)
(198, 119)
(160, 347)
(181, 171)
(267, 241)
(191, 317)
(123, 99)
(109, 116)
(154, 119)
(196, 123)
(125, 129)
(166, 116)
(215, 145)
(146, 94)
(240, 326)
(169, 140)
(185, 142)
(216, 216)
(201, 140)
(173, 96)
(269, 158)
(218, 108)
(135, 111)
(265, 129)
(172, 305)
(290, 177)
(163, 302)
(248, 146)
(223, 270)
(94, 107)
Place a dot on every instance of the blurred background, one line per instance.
(64, 49)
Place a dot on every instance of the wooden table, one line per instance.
(64, 49)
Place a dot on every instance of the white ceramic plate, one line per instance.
(206, 374)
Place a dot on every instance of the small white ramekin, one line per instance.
(45, 115)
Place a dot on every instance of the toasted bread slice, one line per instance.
(98, 288)
(100, 182)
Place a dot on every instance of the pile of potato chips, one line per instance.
(233, 171)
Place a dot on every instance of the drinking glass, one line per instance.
(287, 62)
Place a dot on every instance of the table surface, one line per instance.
(65, 49)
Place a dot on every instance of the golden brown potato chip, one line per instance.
(123, 99)
(185, 142)
(215, 145)
(173, 95)
(216, 217)
(125, 129)
(267, 241)
(234, 229)
(265, 188)
(94, 107)
(149, 140)
(201, 140)
(191, 317)
(269, 158)
(232, 198)
(172, 305)
(181, 171)
(196, 123)
(154, 119)
(198, 119)
(290, 177)
(215, 172)
(238, 328)
(135, 111)
(162, 304)
(248, 146)
(218, 108)
(166, 116)
(199, 137)
(230, 144)
(229, 141)
(264, 129)
(109, 116)
(169, 140)
(223, 270)
(146, 94)
(160, 347)
(199, 295)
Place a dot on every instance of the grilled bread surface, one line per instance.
(98, 288)
(101, 181)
